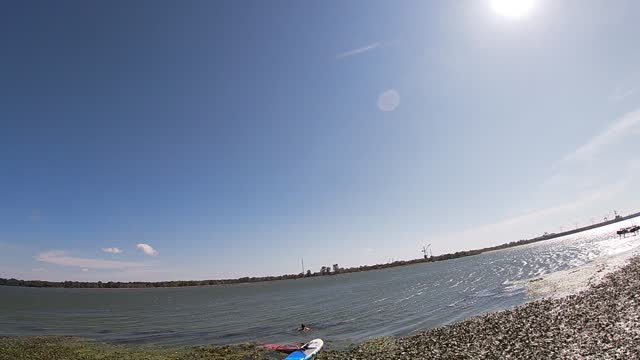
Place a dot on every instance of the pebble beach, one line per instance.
(601, 322)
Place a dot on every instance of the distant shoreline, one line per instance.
(599, 321)
(247, 280)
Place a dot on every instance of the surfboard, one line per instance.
(285, 348)
(307, 351)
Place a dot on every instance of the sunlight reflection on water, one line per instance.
(340, 309)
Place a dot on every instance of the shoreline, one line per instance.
(564, 283)
(597, 316)
(250, 280)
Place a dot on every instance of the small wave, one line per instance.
(404, 299)
(513, 287)
(484, 293)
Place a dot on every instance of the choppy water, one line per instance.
(340, 309)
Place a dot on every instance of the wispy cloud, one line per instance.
(357, 51)
(618, 130)
(500, 231)
(621, 93)
(62, 258)
(112, 250)
(147, 249)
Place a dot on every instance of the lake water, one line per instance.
(341, 309)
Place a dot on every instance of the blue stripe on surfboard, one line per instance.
(296, 355)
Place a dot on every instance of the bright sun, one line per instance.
(512, 8)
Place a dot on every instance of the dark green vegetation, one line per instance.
(70, 348)
(324, 271)
(60, 348)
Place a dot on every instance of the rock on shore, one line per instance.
(602, 322)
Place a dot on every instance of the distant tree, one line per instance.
(325, 270)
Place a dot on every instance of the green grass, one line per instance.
(65, 348)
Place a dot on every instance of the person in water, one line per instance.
(304, 328)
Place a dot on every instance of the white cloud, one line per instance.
(85, 269)
(147, 249)
(618, 130)
(112, 250)
(61, 258)
(357, 51)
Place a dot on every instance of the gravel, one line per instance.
(602, 322)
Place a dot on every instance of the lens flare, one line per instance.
(512, 8)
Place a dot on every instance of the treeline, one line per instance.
(323, 272)
(139, 284)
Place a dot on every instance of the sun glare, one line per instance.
(512, 8)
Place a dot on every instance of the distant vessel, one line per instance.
(628, 230)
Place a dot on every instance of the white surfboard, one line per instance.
(307, 351)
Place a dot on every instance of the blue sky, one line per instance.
(193, 140)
